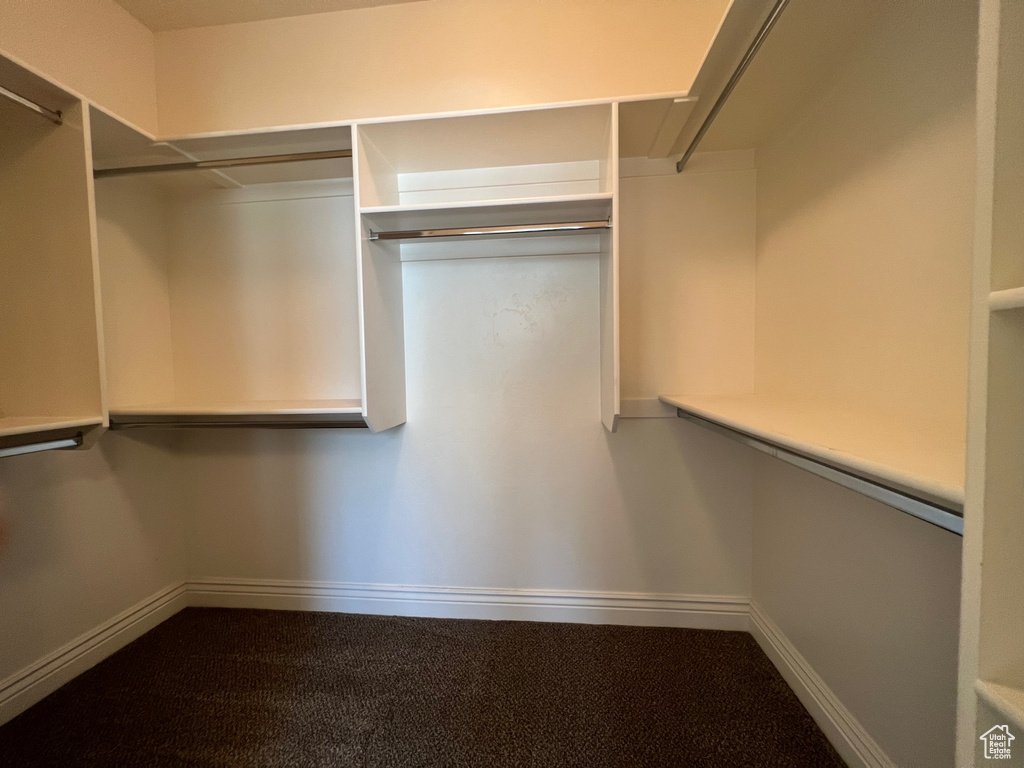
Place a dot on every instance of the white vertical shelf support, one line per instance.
(94, 243)
(381, 314)
(991, 620)
(610, 395)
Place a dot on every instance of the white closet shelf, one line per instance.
(914, 460)
(252, 412)
(1011, 298)
(25, 425)
(1004, 699)
(526, 210)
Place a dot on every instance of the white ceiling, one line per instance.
(161, 15)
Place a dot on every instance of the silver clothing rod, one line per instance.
(762, 35)
(49, 114)
(51, 445)
(904, 502)
(236, 162)
(511, 229)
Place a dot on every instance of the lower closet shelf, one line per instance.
(915, 470)
(24, 425)
(1007, 701)
(254, 413)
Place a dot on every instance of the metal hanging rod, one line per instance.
(511, 229)
(755, 46)
(39, 109)
(948, 519)
(235, 162)
(50, 445)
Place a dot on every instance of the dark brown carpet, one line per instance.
(214, 687)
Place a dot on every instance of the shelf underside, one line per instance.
(1007, 701)
(26, 425)
(269, 413)
(1011, 298)
(532, 210)
(915, 461)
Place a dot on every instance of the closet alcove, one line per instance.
(525, 169)
(50, 385)
(861, 281)
(230, 295)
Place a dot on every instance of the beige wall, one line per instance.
(687, 277)
(86, 535)
(93, 47)
(865, 228)
(870, 597)
(366, 63)
(378, 61)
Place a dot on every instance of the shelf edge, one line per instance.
(1007, 701)
(49, 426)
(1011, 298)
(897, 496)
(935, 490)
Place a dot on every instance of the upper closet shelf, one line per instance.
(1012, 298)
(281, 413)
(531, 155)
(921, 463)
(188, 165)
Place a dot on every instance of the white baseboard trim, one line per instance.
(847, 735)
(637, 609)
(31, 684)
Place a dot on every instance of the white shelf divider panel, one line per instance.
(1011, 298)
(908, 458)
(381, 312)
(611, 396)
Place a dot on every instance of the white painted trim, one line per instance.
(637, 609)
(31, 684)
(847, 735)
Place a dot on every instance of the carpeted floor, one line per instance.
(215, 687)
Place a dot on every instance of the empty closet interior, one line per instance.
(862, 282)
(230, 293)
(50, 383)
(813, 252)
